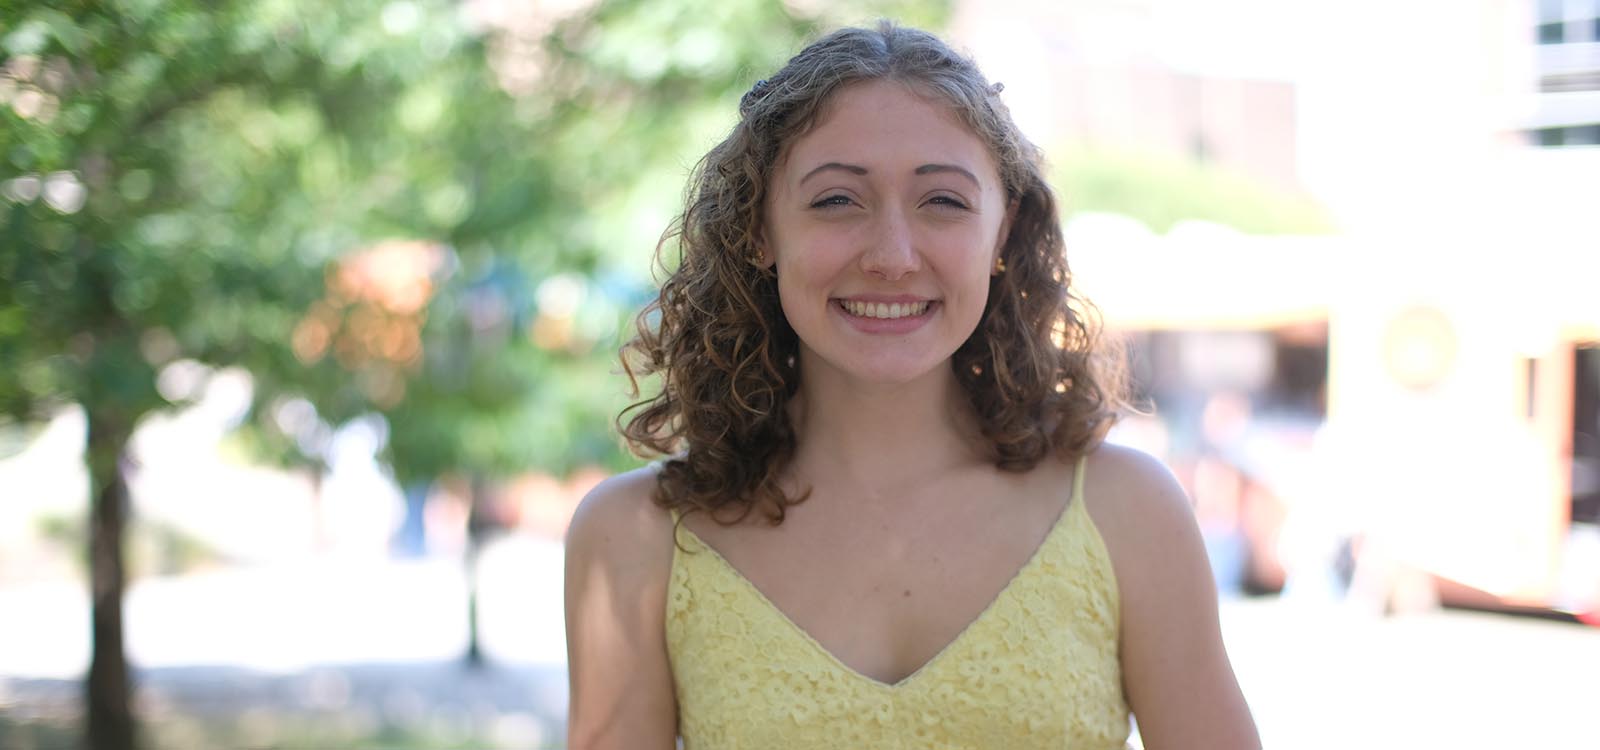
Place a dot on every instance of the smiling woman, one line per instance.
(885, 516)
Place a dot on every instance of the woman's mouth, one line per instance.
(884, 310)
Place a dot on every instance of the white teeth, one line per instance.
(881, 310)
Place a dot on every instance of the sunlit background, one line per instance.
(309, 311)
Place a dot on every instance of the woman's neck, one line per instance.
(882, 438)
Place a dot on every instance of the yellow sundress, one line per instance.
(1037, 669)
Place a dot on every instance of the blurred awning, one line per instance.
(1200, 275)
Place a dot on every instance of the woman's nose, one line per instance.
(892, 254)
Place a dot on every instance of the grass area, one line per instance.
(17, 733)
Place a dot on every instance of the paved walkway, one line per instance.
(400, 704)
(1325, 678)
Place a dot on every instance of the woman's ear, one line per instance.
(760, 256)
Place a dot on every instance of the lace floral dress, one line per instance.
(1037, 669)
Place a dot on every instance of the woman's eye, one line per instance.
(946, 200)
(832, 201)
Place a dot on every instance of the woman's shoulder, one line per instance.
(619, 553)
(619, 526)
(1122, 471)
(1175, 670)
(1136, 504)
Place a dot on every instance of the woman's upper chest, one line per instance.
(885, 584)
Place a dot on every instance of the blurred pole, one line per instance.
(109, 716)
(320, 538)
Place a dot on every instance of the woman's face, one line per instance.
(884, 222)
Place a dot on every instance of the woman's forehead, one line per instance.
(887, 123)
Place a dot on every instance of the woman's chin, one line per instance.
(886, 373)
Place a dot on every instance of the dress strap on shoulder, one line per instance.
(682, 537)
(677, 523)
(1077, 478)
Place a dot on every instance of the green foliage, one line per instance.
(182, 179)
(1163, 190)
(209, 160)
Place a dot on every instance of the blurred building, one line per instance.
(1169, 78)
(1422, 384)
(1567, 60)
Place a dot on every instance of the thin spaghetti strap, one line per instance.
(1077, 478)
(679, 531)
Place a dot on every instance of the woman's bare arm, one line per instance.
(619, 552)
(1175, 670)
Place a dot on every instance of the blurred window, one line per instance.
(1584, 135)
(1586, 434)
(1575, 135)
(1569, 21)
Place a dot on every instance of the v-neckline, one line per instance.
(938, 656)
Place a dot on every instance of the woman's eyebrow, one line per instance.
(861, 171)
(851, 168)
(933, 168)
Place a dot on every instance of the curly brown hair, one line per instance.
(1037, 371)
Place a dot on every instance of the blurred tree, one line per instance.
(431, 209)
(179, 175)
(1161, 190)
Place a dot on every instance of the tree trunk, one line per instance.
(478, 525)
(109, 715)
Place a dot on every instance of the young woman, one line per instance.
(886, 518)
